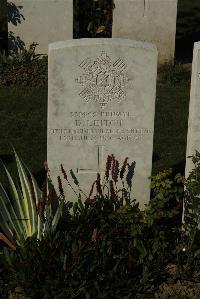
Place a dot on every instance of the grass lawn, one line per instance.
(171, 121)
(23, 111)
(23, 122)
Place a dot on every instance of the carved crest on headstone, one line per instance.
(103, 81)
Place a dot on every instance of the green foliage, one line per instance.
(192, 201)
(24, 68)
(101, 253)
(167, 194)
(25, 210)
(104, 247)
(93, 18)
(188, 252)
(192, 182)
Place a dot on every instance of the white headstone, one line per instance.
(147, 20)
(101, 101)
(39, 21)
(193, 136)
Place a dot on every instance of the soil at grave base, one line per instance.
(18, 294)
(179, 290)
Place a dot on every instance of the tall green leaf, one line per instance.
(8, 214)
(16, 201)
(30, 209)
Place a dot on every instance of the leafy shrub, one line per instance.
(103, 248)
(166, 195)
(93, 18)
(102, 253)
(188, 249)
(24, 68)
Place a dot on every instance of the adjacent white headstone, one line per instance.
(39, 21)
(147, 20)
(193, 136)
(101, 101)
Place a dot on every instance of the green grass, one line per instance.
(170, 135)
(23, 122)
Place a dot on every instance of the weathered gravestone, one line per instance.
(193, 136)
(39, 21)
(149, 20)
(101, 101)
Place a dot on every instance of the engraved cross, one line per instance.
(100, 164)
(146, 7)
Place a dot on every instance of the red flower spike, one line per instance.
(63, 172)
(115, 173)
(92, 189)
(60, 187)
(112, 189)
(123, 169)
(76, 182)
(98, 184)
(113, 166)
(108, 166)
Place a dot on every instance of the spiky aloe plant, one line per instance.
(24, 211)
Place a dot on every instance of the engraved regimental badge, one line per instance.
(103, 81)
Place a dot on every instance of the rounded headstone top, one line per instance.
(102, 41)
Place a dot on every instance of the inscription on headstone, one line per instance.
(38, 21)
(147, 20)
(101, 102)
